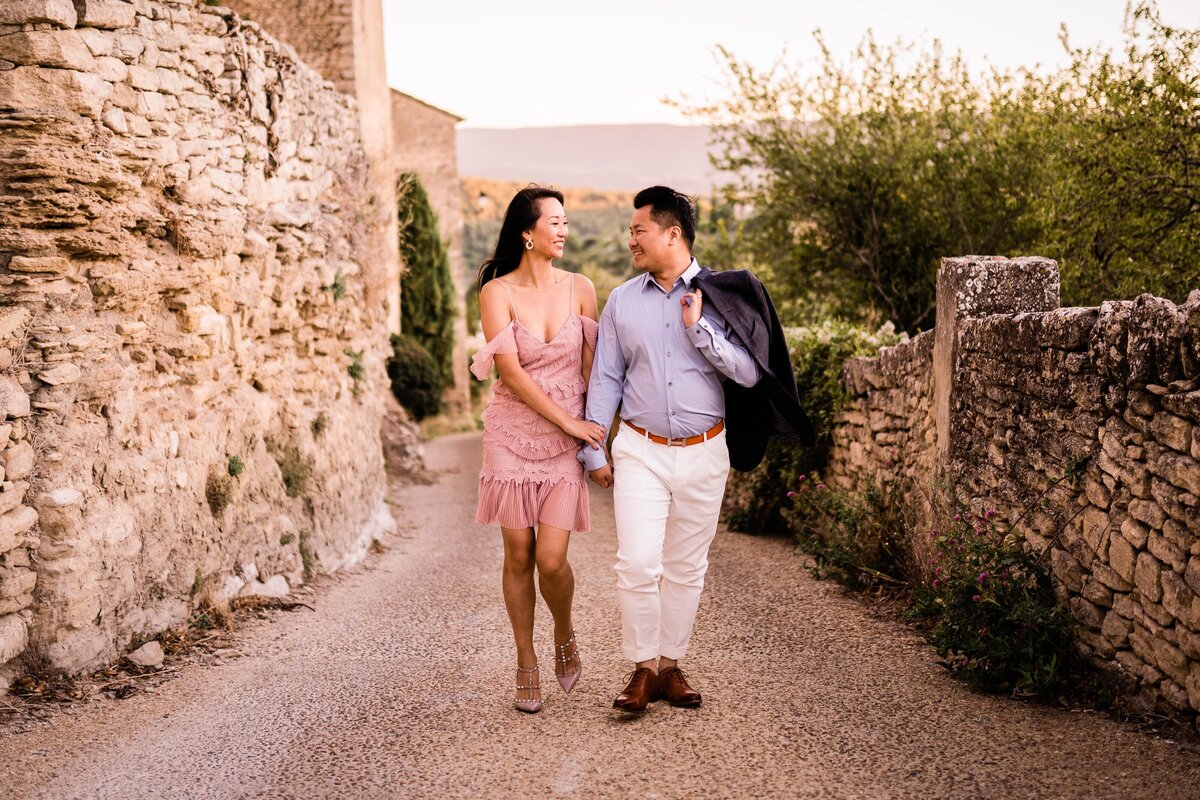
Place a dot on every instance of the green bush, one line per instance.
(992, 611)
(416, 379)
(754, 500)
(861, 538)
(427, 295)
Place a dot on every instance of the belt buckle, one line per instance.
(680, 442)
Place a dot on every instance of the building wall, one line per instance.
(185, 255)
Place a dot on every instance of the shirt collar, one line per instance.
(692, 271)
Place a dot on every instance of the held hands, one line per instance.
(585, 431)
(602, 477)
(692, 304)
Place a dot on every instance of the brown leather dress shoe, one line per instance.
(674, 687)
(642, 689)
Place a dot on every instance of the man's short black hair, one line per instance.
(669, 208)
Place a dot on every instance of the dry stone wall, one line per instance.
(1080, 424)
(192, 334)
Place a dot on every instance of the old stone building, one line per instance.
(424, 142)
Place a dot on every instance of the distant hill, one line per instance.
(606, 157)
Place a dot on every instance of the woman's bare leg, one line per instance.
(519, 598)
(557, 582)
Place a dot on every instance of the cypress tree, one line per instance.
(427, 296)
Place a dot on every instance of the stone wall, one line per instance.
(343, 40)
(1081, 425)
(425, 142)
(189, 292)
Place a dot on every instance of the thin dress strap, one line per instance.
(571, 297)
(511, 305)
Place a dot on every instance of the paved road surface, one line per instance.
(399, 686)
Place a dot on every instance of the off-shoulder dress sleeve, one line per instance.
(591, 330)
(503, 343)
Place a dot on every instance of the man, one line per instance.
(666, 359)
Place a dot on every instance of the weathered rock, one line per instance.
(14, 401)
(23, 12)
(148, 655)
(108, 14)
(19, 461)
(79, 92)
(1147, 573)
(13, 636)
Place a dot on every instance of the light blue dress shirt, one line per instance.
(666, 378)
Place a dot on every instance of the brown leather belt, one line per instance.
(697, 439)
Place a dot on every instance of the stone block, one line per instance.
(1086, 613)
(1147, 575)
(14, 525)
(12, 321)
(14, 400)
(1192, 574)
(1177, 598)
(98, 42)
(1148, 512)
(75, 91)
(1109, 577)
(1173, 431)
(1066, 569)
(24, 12)
(1174, 694)
(1181, 471)
(1189, 642)
(1116, 629)
(107, 14)
(1135, 533)
(19, 582)
(61, 49)
(1095, 591)
(60, 374)
(1095, 531)
(1097, 493)
(1122, 558)
(1162, 549)
(13, 637)
(1171, 660)
(13, 497)
(19, 461)
(1193, 686)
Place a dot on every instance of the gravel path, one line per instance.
(399, 686)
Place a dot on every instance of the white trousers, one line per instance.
(666, 501)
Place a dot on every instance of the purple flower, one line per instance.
(791, 494)
(820, 487)
(991, 512)
(983, 576)
(936, 583)
(974, 598)
(802, 477)
(958, 517)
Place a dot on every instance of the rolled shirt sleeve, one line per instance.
(605, 385)
(730, 359)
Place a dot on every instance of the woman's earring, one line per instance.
(529, 244)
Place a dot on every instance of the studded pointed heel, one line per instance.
(525, 700)
(563, 655)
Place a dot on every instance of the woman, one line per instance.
(540, 323)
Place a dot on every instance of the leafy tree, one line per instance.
(1122, 213)
(856, 178)
(427, 300)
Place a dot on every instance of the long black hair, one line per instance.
(521, 215)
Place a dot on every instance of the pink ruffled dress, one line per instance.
(530, 474)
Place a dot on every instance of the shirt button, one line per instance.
(670, 383)
(668, 324)
(672, 413)
(668, 354)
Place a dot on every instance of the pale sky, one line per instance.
(509, 65)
